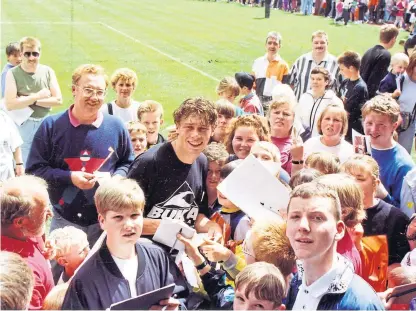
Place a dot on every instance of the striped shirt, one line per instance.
(301, 71)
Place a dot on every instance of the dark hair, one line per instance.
(228, 168)
(201, 107)
(412, 64)
(12, 48)
(350, 58)
(409, 44)
(244, 80)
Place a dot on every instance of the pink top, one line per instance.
(284, 145)
(347, 248)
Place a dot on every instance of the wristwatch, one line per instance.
(202, 265)
(297, 162)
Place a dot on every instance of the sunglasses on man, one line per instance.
(28, 54)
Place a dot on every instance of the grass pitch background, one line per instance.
(179, 48)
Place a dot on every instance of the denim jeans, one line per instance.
(27, 131)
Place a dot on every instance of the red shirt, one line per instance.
(400, 6)
(347, 248)
(30, 250)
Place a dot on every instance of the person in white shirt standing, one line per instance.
(124, 82)
(32, 89)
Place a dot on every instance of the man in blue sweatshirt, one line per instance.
(72, 149)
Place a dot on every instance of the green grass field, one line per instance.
(179, 48)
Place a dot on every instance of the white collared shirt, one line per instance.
(308, 297)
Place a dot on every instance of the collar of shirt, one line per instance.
(335, 281)
(75, 122)
(276, 58)
(310, 58)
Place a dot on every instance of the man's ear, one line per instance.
(161, 121)
(73, 90)
(18, 222)
(340, 230)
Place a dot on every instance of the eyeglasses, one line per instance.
(28, 54)
(89, 92)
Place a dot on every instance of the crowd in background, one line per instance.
(339, 131)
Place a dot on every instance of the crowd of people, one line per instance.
(108, 179)
(401, 13)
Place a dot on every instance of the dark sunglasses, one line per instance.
(28, 54)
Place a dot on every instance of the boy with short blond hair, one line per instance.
(138, 137)
(71, 246)
(150, 114)
(380, 121)
(122, 265)
(391, 82)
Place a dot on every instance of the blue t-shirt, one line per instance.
(394, 164)
(3, 78)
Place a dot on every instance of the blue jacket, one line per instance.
(347, 291)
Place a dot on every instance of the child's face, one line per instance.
(223, 124)
(228, 96)
(124, 88)
(123, 227)
(399, 68)
(367, 182)
(244, 138)
(380, 129)
(261, 154)
(152, 121)
(345, 71)
(223, 200)
(15, 58)
(139, 142)
(241, 302)
(318, 82)
(76, 255)
(213, 176)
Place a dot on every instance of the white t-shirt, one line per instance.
(125, 114)
(343, 150)
(10, 140)
(308, 109)
(128, 268)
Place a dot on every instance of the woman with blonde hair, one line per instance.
(332, 126)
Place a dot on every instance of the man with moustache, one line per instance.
(31, 91)
(270, 69)
(301, 70)
(24, 205)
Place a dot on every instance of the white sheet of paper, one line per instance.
(362, 148)
(255, 190)
(19, 115)
(167, 231)
(269, 85)
(189, 271)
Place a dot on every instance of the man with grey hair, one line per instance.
(270, 69)
(301, 69)
(24, 205)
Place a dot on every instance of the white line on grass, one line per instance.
(47, 23)
(160, 52)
